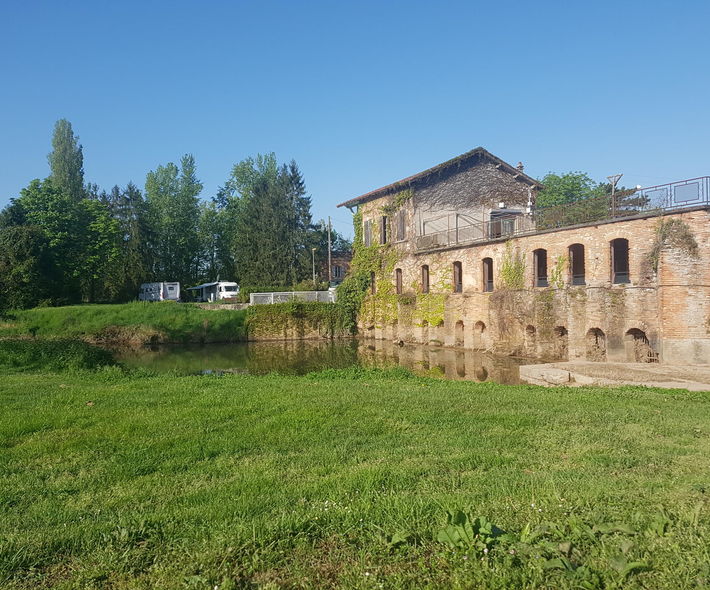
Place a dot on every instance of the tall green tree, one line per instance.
(66, 160)
(272, 227)
(27, 268)
(133, 265)
(174, 214)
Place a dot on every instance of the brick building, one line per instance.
(467, 260)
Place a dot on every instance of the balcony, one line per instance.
(653, 200)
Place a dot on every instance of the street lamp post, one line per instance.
(313, 261)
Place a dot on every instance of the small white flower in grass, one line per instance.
(539, 509)
(465, 557)
(367, 573)
(532, 505)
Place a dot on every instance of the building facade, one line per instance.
(464, 259)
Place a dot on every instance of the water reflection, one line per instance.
(300, 357)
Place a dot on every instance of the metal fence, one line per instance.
(650, 200)
(286, 296)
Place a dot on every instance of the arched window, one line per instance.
(458, 277)
(620, 261)
(425, 278)
(398, 280)
(540, 266)
(488, 274)
(576, 264)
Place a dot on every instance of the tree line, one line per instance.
(63, 240)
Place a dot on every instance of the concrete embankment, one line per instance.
(578, 373)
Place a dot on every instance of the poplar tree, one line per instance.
(174, 214)
(66, 160)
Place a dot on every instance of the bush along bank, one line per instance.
(297, 320)
(129, 324)
(19, 355)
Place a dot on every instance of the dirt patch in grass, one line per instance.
(127, 337)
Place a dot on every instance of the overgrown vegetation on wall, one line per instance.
(673, 233)
(512, 268)
(297, 319)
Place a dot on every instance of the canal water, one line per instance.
(301, 357)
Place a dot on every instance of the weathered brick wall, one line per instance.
(670, 306)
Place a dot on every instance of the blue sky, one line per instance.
(360, 94)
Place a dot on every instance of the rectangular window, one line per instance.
(337, 272)
(425, 279)
(383, 229)
(401, 227)
(540, 266)
(620, 261)
(488, 274)
(458, 278)
(576, 264)
(398, 280)
(367, 233)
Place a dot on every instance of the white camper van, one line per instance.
(209, 292)
(159, 292)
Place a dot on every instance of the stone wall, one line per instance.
(661, 314)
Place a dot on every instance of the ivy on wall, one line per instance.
(674, 233)
(557, 272)
(512, 268)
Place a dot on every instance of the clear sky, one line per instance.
(360, 94)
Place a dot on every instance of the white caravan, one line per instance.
(209, 292)
(159, 292)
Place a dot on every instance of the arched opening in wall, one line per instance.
(458, 333)
(530, 340)
(540, 267)
(481, 373)
(487, 274)
(561, 344)
(398, 281)
(425, 278)
(620, 261)
(596, 345)
(576, 264)
(638, 348)
(458, 277)
(478, 336)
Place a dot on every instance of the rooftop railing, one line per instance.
(653, 200)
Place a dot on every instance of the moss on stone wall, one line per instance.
(297, 319)
(673, 233)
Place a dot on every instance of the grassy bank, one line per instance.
(344, 479)
(128, 323)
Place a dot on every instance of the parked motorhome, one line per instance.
(159, 292)
(209, 292)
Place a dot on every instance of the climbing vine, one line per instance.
(355, 292)
(512, 268)
(557, 273)
(399, 199)
(674, 233)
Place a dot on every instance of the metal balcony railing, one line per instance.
(650, 200)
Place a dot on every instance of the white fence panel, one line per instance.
(286, 296)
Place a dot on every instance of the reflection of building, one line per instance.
(468, 261)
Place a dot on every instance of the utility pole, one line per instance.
(313, 261)
(330, 265)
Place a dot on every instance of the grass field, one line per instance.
(345, 479)
(136, 323)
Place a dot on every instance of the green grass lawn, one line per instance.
(344, 479)
(139, 321)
